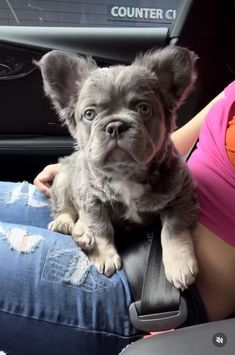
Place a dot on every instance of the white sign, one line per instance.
(143, 13)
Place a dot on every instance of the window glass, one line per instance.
(92, 13)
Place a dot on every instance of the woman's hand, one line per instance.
(45, 178)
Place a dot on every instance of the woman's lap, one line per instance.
(50, 293)
(22, 203)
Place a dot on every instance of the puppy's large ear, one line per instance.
(174, 68)
(63, 74)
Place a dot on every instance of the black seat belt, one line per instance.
(160, 306)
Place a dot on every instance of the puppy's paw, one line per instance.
(83, 237)
(181, 271)
(180, 263)
(62, 224)
(107, 261)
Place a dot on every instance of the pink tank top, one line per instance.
(213, 172)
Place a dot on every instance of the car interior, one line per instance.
(31, 136)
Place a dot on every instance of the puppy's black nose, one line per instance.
(116, 128)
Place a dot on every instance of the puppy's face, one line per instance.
(121, 115)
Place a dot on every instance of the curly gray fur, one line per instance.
(125, 167)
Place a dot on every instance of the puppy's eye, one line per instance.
(144, 109)
(89, 114)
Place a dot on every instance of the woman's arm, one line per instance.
(184, 137)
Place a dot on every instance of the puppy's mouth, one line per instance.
(118, 154)
(115, 153)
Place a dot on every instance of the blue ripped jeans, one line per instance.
(52, 300)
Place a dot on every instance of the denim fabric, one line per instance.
(52, 299)
(23, 203)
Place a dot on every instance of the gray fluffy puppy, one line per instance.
(125, 167)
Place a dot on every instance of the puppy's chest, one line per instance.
(127, 194)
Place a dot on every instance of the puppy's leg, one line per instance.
(64, 213)
(105, 256)
(63, 221)
(93, 232)
(178, 255)
(83, 234)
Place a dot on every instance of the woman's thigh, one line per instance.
(52, 298)
(23, 203)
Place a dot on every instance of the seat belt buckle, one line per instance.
(157, 322)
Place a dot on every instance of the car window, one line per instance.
(105, 13)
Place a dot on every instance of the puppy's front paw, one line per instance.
(181, 271)
(180, 263)
(62, 224)
(107, 260)
(82, 236)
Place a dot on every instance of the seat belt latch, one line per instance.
(157, 322)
